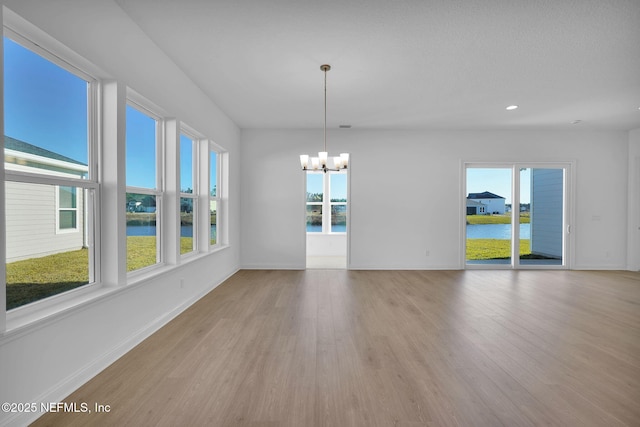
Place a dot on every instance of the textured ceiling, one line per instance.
(407, 64)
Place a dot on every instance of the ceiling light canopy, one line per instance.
(322, 161)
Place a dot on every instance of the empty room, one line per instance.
(320, 213)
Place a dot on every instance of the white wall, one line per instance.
(319, 244)
(47, 359)
(397, 209)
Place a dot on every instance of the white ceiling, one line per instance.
(407, 64)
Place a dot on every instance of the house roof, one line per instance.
(474, 203)
(25, 147)
(484, 195)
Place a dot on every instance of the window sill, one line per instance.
(25, 319)
(39, 313)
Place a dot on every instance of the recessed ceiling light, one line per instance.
(575, 122)
(512, 107)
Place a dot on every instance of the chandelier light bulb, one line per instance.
(320, 162)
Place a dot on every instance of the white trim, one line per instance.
(35, 40)
(46, 161)
(218, 197)
(58, 392)
(145, 107)
(194, 196)
(568, 167)
(33, 178)
(65, 209)
(38, 41)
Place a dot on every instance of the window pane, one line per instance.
(213, 234)
(338, 218)
(541, 216)
(141, 231)
(488, 229)
(213, 173)
(141, 149)
(67, 220)
(67, 197)
(45, 113)
(338, 187)
(40, 261)
(186, 164)
(314, 187)
(187, 243)
(314, 218)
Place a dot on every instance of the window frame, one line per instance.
(326, 203)
(193, 196)
(89, 186)
(217, 198)
(60, 209)
(141, 105)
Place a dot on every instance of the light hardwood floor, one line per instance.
(386, 348)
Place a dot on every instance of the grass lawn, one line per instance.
(478, 249)
(496, 219)
(38, 278)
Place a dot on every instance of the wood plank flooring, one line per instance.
(385, 348)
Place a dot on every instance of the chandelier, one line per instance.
(321, 162)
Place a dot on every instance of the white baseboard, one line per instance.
(60, 391)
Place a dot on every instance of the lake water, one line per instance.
(336, 228)
(474, 231)
(150, 230)
(496, 231)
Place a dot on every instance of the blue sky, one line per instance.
(497, 181)
(46, 106)
(338, 184)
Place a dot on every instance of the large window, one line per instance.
(62, 225)
(50, 183)
(188, 195)
(326, 202)
(143, 193)
(214, 195)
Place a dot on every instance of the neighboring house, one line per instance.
(494, 204)
(42, 219)
(547, 186)
(476, 208)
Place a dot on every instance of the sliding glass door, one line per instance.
(542, 192)
(516, 215)
(489, 228)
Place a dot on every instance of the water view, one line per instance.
(150, 230)
(496, 231)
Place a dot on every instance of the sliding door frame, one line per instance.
(568, 235)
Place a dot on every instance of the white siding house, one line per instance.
(546, 212)
(494, 204)
(476, 208)
(42, 219)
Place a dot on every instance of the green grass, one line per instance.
(481, 249)
(496, 219)
(37, 278)
(186, 245)
(141, 252)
